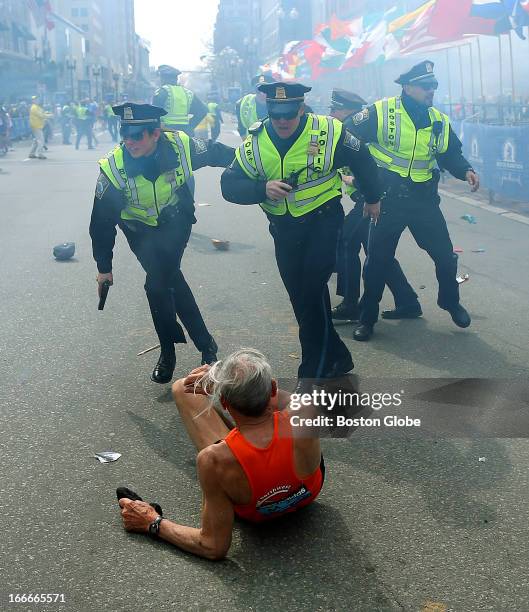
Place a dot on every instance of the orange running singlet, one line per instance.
(276, 488)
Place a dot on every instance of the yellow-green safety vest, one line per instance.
(81, 112)
(248, 110)
(312, 153)
(145, 200)
(403, 149)
(212, 112)
(177, 106)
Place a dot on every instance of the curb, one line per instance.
(493, 209)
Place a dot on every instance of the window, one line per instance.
(84, 27)
(75, 12)
(83, 12)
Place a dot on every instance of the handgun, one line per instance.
(105, 286)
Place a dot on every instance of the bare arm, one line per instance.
(213, 539)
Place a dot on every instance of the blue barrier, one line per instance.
(500, 154)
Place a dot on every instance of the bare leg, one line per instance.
(201, 420)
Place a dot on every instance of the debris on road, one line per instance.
(221, 245)
(148, 350)
(458, 250)
(482, 459)
(293, 356)
(422, 287)
(107, 456)
(462, 278)
(64, 251)
(204, 204)
(478, 250)
(470, 218)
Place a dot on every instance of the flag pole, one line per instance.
(461, 72)
(471, 74)
(501, 66)
(480, 71)
(449, 82)
(512, 67)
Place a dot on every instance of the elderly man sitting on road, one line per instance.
(257, 471)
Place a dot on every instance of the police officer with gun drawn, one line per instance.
(143, 188)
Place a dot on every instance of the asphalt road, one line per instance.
(403, 523)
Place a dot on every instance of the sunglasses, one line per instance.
(137, 136)
(291, 115)
(428, 86)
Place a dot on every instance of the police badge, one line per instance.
(361, 116)
(101, 186)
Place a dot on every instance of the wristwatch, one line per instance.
(154, 527)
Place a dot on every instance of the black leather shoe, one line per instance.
(403, 312)
(209, 354)
(163, 370)
(363, 332)
(344, 313)
(340, 368)
(460, 316)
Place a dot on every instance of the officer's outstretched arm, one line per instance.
(210, 153)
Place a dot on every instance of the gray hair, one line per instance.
(243, 380)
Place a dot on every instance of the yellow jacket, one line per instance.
(37, 117)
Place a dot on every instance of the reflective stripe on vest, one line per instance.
(248, 110)
(402, 148)
(177, 106)
(312, 153)
(145, 201)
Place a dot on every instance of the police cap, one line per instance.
(136, 117)
(262, 78)
(284, 99)
(168, 70)
(347, 100)
(418, 75)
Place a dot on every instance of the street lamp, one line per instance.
(96, 72)
(71, 65)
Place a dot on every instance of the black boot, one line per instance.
(345, 313)
(363, 332)
(209, 354)
(412, 311)
(163, 370)
(460, 316)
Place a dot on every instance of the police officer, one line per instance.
(215, 116)
(252, 107)
(178, 101)
(407, 136)
(142, 187)
(354, 235)
(289, 165)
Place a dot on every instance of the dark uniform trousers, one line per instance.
(159, 251)
(403, 208)
(305, 249)
(349, 268)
